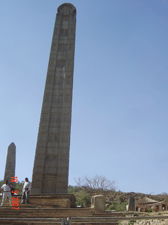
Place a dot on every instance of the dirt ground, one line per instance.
(144, 220)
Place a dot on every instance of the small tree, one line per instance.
(96, 184)
(19, 187)
(1, 183)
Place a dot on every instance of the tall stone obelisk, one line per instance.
(10, 162)
(51, 165)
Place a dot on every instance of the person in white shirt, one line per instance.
(6, 189)
(26, 192)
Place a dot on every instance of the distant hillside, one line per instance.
(114, 200)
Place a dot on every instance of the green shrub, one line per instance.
(1, 182)
(121, 199)
(149, 210)
(121, 207)
(118, 207)
(144, 210)
(112, 206)
(83, 199)
(19, 187)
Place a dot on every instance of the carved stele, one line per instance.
(131, 204)
(10, 162)
(51, 165)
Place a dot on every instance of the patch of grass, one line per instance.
(131, 222)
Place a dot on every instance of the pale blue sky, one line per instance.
(120, 94)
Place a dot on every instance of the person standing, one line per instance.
(26, 192)
(6, 189)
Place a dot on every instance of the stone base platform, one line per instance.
(52, 201)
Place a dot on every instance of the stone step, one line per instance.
(28, 222)
(28, 213)
(6, 212)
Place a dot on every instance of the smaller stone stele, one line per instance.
(98, 202)
(131, 204)
(10, 162)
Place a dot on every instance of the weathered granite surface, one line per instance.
(51, 165)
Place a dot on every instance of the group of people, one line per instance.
(7, 190)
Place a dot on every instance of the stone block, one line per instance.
(62, 191)
(54, 46)
(37, 184)
(40, 162)
(38, 169)
(53, 56)
(41, 155)
(52, 145)
(51, 68)
(63, 157)
(49, 80)
(65, 135)
(40, 144)
(45, 117)
(64, 150)
(43, 127)
(58, 74)
(64, 144)
(54, 130)
(37, 177)
(63, 171)
(50, 73)
(49, 90)
(55, 127)
(98, 202)
(42, 136)
(46, 105)
(35, 191)
(51, 162)
(53, 151)
(59, 200)
(67, 109)
(50, 170)
(44, 110)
